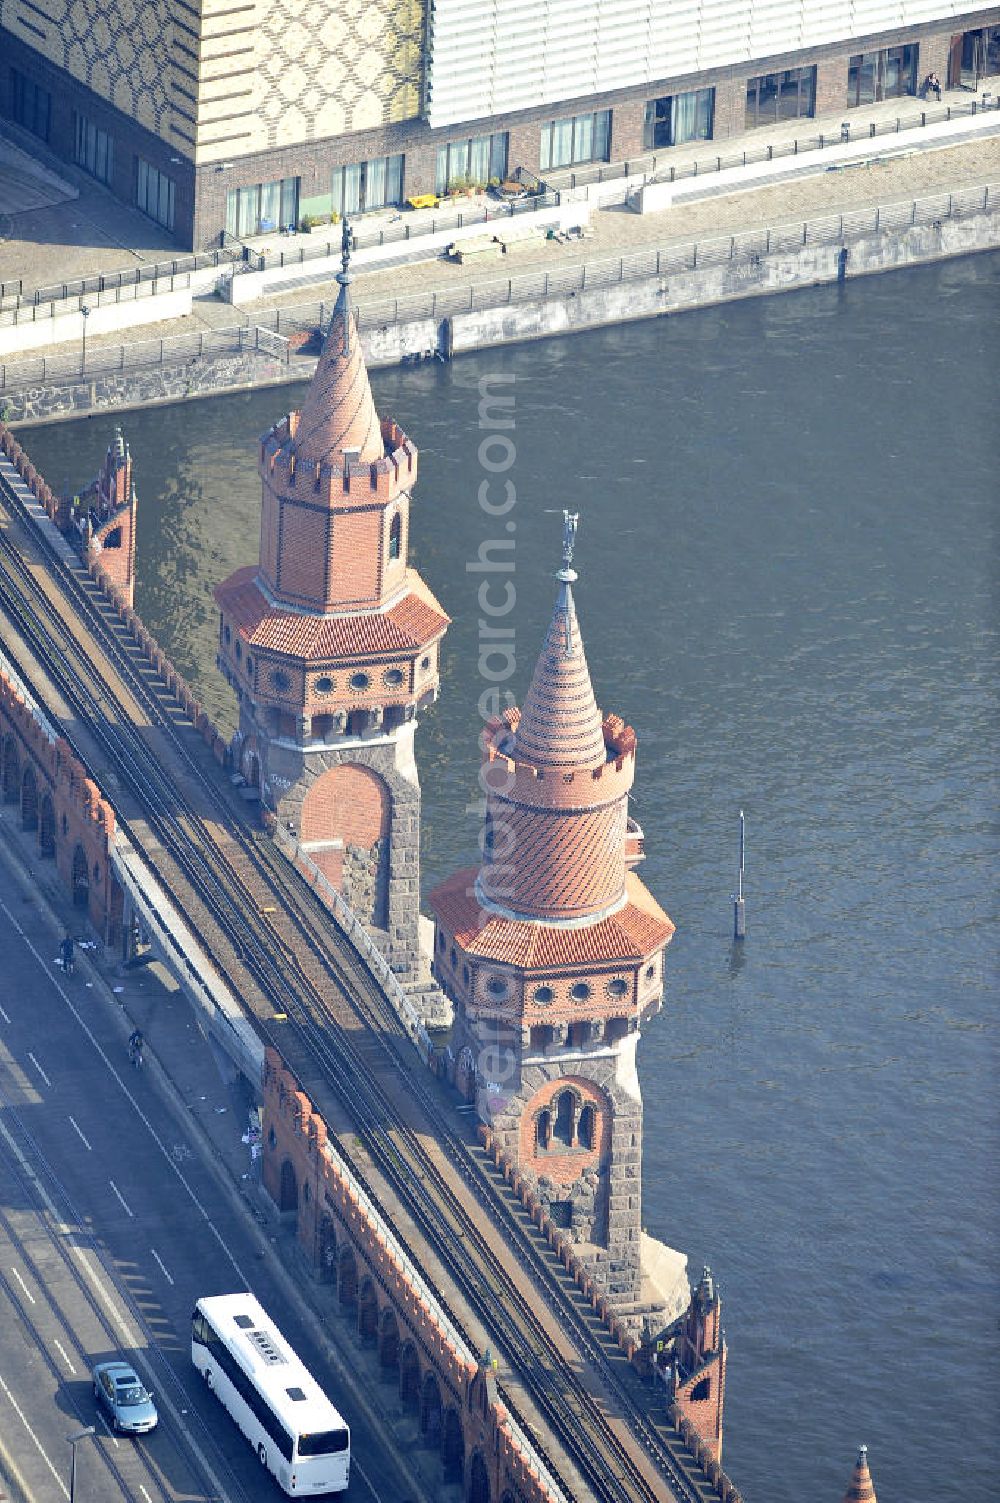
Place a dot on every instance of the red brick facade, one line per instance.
(74, 825)
(460, 1412)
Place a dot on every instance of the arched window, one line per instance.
(396, 536)
(702, 1390)
(562, 1129)
(288, 1195)
(543, 1130)
(81, 878)
(586, 1129)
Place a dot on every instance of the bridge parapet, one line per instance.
(348, 1242)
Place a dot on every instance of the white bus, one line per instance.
(249, 1366)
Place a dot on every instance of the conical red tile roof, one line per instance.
(861, 1489)
(560, 724)
(338, 412)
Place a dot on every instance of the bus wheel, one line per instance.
(262, 1455)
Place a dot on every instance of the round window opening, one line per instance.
(496, 986)
(617, 987)
(580, 992)
(392, 678)
(280, 680)
(324, 685)
(543, 995)
(360, 680)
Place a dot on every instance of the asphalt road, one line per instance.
(113, 1221)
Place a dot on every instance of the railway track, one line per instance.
(233, 886)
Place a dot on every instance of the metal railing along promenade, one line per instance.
(747, 246)
(37, 310)
(269, 334)
(659, 168)
(146, 354)
(13, 294)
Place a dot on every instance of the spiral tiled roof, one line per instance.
(861, 1489)
(560, 724)
(338, 412)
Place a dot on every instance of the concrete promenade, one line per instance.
(94, 233)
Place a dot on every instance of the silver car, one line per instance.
(119, 1390)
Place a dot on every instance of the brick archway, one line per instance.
(288, 1195)
(479, 1480)
(409, 1376)
(345, 828)
(388, 1341)
(368, 1313)
(81, 878)
(431, 1415)
(11, 771)
(347, 1279)
(46, 826)
(327, 1251)
(29, 799)
(453, 1447)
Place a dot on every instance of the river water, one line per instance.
(787, 568)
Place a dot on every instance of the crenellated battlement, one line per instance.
(348, 1242)
(509, 778)
(364, 483)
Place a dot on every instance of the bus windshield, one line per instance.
(324, 1442)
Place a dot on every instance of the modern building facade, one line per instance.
(214, 116)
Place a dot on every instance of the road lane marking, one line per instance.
(110, 1434)
(162, 1267)
(79, 1134)
(64, 1355)
(4, 1015)
(39, 1069)
(34, 1438)
(27, 1292)
(129, 1338)
(145, 1494)
(124, 1202)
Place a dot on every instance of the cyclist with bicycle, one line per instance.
(135, 1045)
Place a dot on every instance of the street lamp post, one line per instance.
(86, 314)
(73, 1439)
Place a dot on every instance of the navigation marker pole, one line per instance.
(739, 907)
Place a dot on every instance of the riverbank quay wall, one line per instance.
(673, 279)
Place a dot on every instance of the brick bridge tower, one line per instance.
(552, 954)
(105, 518)
(331, 642)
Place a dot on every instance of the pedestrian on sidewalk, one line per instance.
(931, 85)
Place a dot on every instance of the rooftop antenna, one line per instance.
(739, 908)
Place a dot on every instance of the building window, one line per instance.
(780, 96)
(979, 56)
(262, 207)
(155, 194)
(95, 150)
(395, 536)
(677, 118)
(580, 138)
(31, 105)
(368, 185)
(889, 73)
(477, 160)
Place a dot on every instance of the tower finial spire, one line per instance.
(344, 278)
(571, 520)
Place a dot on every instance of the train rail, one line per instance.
(233, 886)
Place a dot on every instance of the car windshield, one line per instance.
(324, 1442)
(130, 1391)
